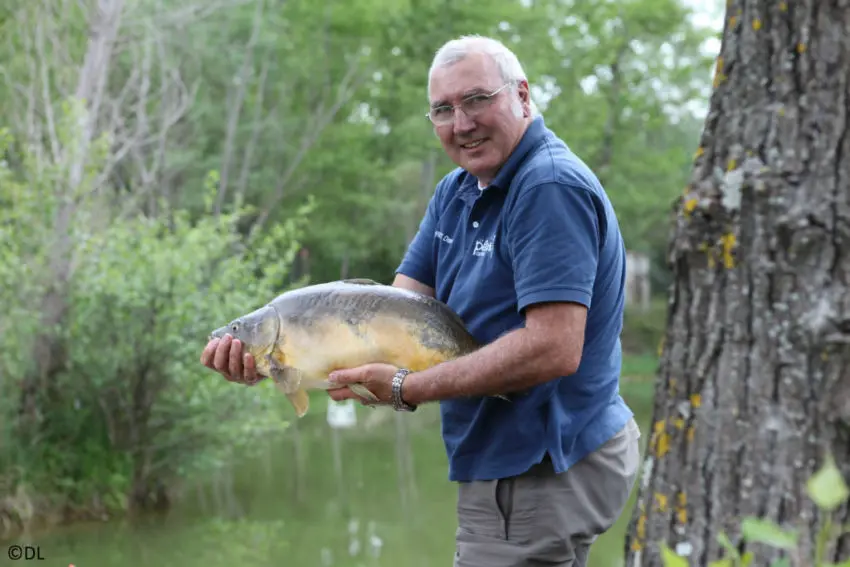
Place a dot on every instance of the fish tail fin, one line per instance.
(299, 399)
(363, 392)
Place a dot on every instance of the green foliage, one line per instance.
(828, 491)
(277, 112)
(132, 408)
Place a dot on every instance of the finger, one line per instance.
(208, 354)
(250, 377)
(235, 363)
(340, 394)
(222, 355)
(344, 393)
(348, 375)
(249, 368)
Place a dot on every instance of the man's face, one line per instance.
(479, 144)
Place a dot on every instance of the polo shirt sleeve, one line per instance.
(418, 261)
(554, 240)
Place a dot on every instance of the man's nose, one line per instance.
(462, 122)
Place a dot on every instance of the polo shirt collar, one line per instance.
(535, 132)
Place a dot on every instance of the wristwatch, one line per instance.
(398, 380)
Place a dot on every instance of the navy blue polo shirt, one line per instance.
(543, 230)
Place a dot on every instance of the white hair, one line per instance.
(506, 60)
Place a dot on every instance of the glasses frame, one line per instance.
(486, 98)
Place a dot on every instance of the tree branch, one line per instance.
(319, 120)
(235, 109)
(256, 128)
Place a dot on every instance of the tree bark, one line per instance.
(753, 387)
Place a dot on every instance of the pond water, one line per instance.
(375, 495)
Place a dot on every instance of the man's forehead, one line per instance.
(473, 74)
(446, 97)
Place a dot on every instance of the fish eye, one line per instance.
(234, 327)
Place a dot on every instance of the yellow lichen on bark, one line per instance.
(719, 77)
(660, 441)
(728, 241)
(660, 502)
(682, 508)
(640, 531)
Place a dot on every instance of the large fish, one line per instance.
(302, 335)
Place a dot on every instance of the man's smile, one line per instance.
(473, 144)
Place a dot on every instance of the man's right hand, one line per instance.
(225, 357)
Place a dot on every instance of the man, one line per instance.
(523, 243)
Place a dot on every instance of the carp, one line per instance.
(304, 334)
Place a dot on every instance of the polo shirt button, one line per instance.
(474, 224)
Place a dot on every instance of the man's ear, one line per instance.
(524, 97)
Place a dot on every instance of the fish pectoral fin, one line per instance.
(286, 378)
(361, 281)
(289, 380)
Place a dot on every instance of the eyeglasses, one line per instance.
(471, 106)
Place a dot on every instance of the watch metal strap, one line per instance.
(398, 380)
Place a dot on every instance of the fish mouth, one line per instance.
(218, 333)
(253, 339)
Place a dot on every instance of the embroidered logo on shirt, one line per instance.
(484, 247)
(443, 237)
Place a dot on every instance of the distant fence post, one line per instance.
(637, 280)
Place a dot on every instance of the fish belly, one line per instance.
(318, 350)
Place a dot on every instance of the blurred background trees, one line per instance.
(165, 165)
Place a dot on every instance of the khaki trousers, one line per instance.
(542, 518)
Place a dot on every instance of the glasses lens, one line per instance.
(441, 115)
(475, 104)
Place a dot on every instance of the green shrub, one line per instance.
(130, 409)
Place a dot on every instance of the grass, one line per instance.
(639, 367)
(637, 387)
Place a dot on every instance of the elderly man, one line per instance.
(530, 256)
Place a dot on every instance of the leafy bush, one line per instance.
(131, 408)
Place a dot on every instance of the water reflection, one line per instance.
(376, 495)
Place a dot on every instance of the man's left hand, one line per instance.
(376, 377)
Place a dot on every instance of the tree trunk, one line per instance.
(753, 388)
(49, 350)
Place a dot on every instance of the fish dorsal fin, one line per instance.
(360, 281)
